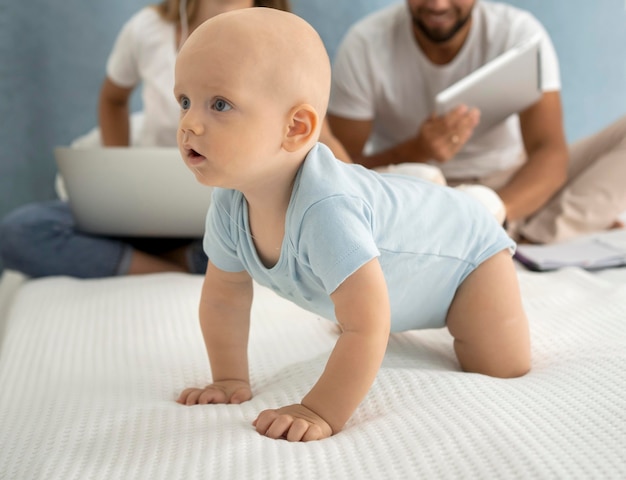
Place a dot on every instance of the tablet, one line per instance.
(502, 87)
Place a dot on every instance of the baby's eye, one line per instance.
(221, 105)
(185, 103)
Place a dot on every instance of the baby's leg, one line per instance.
(488, 322)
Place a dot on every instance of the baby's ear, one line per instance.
(303, 122)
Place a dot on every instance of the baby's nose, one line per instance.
(191, 125)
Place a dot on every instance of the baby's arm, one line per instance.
(225, 321)
(362, 309)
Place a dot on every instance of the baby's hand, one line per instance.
(295, 423)
(225, 391)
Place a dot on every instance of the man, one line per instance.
(391, 65)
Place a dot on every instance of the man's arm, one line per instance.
(114, 115)
(546, 168)
(225, 322)
(439, 138)
(362, 309)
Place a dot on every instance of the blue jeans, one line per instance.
(41, 239)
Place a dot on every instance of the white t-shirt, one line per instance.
(145, 52)
(381, 74)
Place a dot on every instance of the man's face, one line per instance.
(440, 20)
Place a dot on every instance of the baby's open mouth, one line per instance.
(194, 158)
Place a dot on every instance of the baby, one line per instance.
(376, 253)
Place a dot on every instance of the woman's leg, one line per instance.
(196, 258)
(40, 240)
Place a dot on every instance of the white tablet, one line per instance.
(506, 85)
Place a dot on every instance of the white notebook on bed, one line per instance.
(591, 252)
(133, 192)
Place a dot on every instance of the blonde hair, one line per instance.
(170, 9)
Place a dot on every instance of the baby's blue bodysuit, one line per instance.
(428, 238)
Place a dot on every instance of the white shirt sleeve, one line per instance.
(550, 75)
(123, 66)
(352, 87)
(527, 26)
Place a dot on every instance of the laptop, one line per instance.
(133, 192)
(502, 87)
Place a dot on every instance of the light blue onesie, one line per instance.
(428, 238)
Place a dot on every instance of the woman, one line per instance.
(41, 239)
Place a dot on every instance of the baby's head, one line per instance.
(253, 85)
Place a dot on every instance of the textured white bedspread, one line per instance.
(89, 371)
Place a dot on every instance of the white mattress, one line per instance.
(89, 371)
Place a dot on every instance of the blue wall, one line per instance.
(590, 40)
(53, 53)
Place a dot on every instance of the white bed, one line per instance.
(89, 371)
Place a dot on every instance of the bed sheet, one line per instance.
(89, 370)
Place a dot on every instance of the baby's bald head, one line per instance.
(273, 51)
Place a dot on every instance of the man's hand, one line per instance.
(440, 138)
(295, 423)
(225, 391)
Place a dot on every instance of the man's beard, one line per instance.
(438, 36)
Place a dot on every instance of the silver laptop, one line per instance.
(141, 192)
(506, 85)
